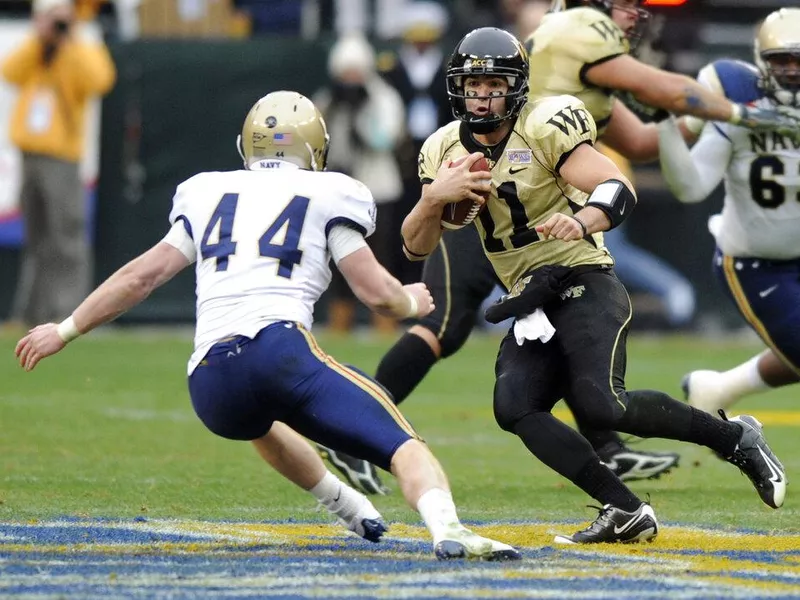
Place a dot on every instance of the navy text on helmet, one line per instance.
(488, 51)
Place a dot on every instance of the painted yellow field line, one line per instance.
(783, 418)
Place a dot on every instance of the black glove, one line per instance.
(534, 289)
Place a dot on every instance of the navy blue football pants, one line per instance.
(243, 385)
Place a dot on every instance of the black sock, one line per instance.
(655, 414)
(721, 436)
(603, 485)
(405, 365)
(569, 454)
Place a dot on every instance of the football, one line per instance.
(460, 214)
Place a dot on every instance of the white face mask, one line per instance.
(787, 96)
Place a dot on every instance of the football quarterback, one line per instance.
(758, 251)
(458, 273)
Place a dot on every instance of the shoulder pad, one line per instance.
(185, 191)
(585, 34)
(558, 124)
(433, 150)
(565, 113)
(738, 79)
(352, 203)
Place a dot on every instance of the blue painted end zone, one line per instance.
(190, 559)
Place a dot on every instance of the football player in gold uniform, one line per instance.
(572, 314)
(583, 48)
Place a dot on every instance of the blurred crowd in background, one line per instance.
(383, 96)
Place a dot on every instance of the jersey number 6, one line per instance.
(287, 253)
(768, 192)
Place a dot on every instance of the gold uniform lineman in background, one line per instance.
(542, 235)
(559, 61)
(583, 48)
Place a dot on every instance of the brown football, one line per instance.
(456, 215)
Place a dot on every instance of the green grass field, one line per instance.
(106, 429)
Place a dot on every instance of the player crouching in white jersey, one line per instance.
(262, 238)
(758, 250)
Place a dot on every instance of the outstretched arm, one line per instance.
(380, 291)
(683, 95)
(693, 175)
(126, 288)
(635, 140)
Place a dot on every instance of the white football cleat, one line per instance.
(703, 390)
(460, 542)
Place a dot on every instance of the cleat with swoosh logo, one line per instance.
(755, 459)
(614, 525)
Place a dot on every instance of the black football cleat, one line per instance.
(614, 525)
(633, 465)
(359, 473)
(755, 459)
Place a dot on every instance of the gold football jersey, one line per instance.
(526, 186)
(564, 47)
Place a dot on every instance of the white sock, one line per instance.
(438, 511)
(742, 380)
(342, 500)
(327, 489)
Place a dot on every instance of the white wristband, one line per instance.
(67, 330)
(413, 305)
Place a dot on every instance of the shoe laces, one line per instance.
(603, 518)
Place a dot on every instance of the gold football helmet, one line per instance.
(284, 126)
(777, 54)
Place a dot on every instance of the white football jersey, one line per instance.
(761, 213)
(761, 170)
(261, 244)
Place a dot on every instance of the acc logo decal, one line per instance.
(519, 157)
(271, 122)
(487, 63)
